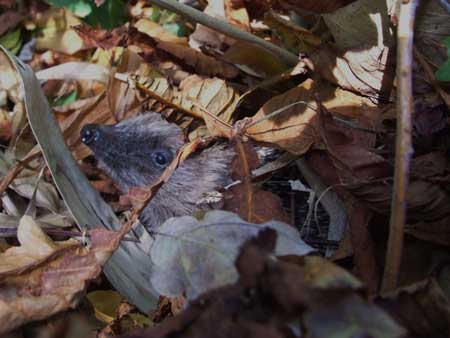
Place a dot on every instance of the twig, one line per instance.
(430, 76)
(403, 148)
(225, 28)
(12, 174)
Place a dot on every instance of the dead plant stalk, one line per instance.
(403, 148)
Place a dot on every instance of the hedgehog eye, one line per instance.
(161, 157)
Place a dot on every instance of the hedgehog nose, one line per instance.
(90, 134)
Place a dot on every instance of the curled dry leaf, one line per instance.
(361, 58)
(207, 97)
(195, 255)
(42, 277)
(122, 99)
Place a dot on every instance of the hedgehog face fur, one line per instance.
(136, 151)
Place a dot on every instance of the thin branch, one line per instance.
(225, 28)
(403, 148)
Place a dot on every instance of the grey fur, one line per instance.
(124, 152)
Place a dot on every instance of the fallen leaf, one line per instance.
(293, 36)
(422, 308)
(105, 303)
(36, 284)
(361, 59)
(57, 32)
(249, 202)
(158, 32)
(321, 6)
(76, 71)
(430, 29)
(214, 96)
(275, 298)
(293, 128)
(194, 255)
(243, 54)
(106, 39)
(205, 36)
(437, 231)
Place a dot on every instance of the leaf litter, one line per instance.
(220, 273)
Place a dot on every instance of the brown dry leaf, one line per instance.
(422, 308)
(317, 6)
(123, 99)
(57, 33)
(294, 129)
(437, 232)
(260, 61)
(154, 50)
(199, 62)
(294, 37)
(236, 14)
(158, 32)
(252, 204)
(205, 36)
(42, 277)
(361, 58)
(211, 99)
(363, 246)
(214, 96)
(102, 38)
(349, 149)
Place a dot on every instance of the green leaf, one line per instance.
(443, 73)
(80, 8)
(446, 43)
(12, 40)
(156, 14)
(109, 15)
(176, 28)
(66, 99)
